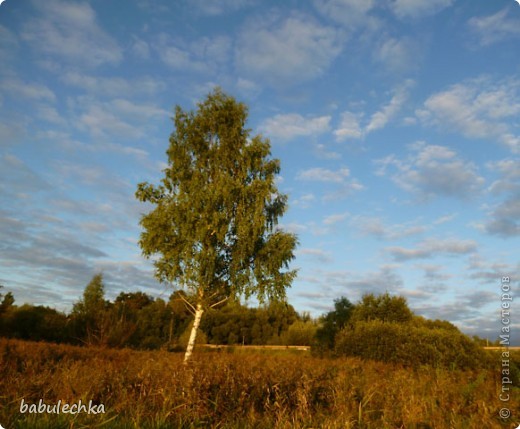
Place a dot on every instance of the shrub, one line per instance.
(300, 333)
(409, 345)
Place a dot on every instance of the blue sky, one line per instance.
(396, 123)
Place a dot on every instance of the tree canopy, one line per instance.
(213, 230)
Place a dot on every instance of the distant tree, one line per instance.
(213, 229)
(333, 322)
(300, 333)
(90, 313)
(7, 302)
(384, 307)
(36, 323)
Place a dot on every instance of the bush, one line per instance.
(201, 337)
(300, 333)
(409, 345)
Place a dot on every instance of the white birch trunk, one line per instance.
(193, 334)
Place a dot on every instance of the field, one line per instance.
(234, 389)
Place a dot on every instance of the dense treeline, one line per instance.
(137, 320)
(377, 327)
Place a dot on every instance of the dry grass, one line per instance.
(237, 390)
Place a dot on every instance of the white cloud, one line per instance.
(434, 272)
(335, 218)
(433, 171)
(113, 86)
(388, 112)
(351, 13)
(141, 49)
(418, 8)
(287, 51)
(433, 247)
(204, 55)
(385, 279)
(34, 91)
(181, 59)
(444, 219)
(317, 254)
(376, 227)
(487, 271)
(478, 109)
(323, 153)
(344, 185)
(504, 217)
(289, 126)
(304, 201)
(8, 46)
(495, 28)
(248, 87)
(397, 55)
(219, 7)
(23, 179)
(118, 117)
(50, 114)
(70, 31)
(319, 174)
(349, 127)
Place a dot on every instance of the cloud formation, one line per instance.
(286, 51)
(433, 171)
(67, 31)
(405, 9)
(478, 108)
(291, 125)
(495, 28)
(433, 247)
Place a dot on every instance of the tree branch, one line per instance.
(219, 302)
(189, 306)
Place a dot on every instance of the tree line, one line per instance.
(139, 321)
(378, 327)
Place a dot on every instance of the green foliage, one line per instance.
(38, 323)
(333, 322)
(7, 302)
(384, 307)
(238, 324)
(300, 333)
(90, 315)
(409, 345)
(383, 328)
(213, 226)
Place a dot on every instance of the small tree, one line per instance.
(213, 228)
(333, 322)
(90, 312)
(385, 308)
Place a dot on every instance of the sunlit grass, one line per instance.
(241, 390)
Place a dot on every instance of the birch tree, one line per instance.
(213, 229)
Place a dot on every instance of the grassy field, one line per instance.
(233, 389)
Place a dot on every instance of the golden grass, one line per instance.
(235, 390)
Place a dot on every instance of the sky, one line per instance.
(396, 122)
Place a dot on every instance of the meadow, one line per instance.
(235, 389)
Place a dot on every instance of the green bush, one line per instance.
(410, 345)
(300, 333)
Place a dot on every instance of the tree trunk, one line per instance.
(193, 334)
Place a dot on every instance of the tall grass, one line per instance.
(228, 390)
